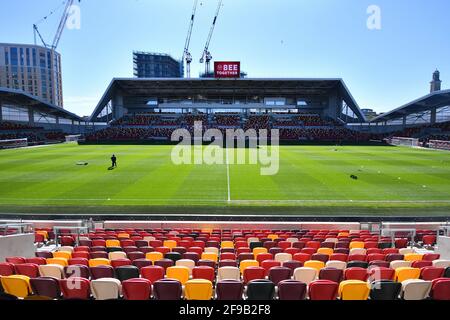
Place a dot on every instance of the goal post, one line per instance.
(73, 138)
(13, 143)
(402, 141)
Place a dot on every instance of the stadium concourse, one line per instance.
(237, 263)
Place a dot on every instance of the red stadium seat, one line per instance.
(75, 288)
(355, 273)
(153, 273)
(323, 290)
(137, 289)
(203, 272)
(431, 273)
(6, 269)
(253, 273)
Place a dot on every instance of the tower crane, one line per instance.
(60, 29)
(206, 55)
(186, 54)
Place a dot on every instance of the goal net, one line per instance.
(13, 143)
(73, 138)
(401, 141)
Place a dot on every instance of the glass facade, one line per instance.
(33, 69)
(156, 65)
(10, 113)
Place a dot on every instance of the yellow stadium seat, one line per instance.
(272, 236)
(62, 254)
(179, 273)
(99, 262)
(60, 261)
(259, 250)
(413, 257)
(343, 234)
(227, 244)
(123, 235)
(247, 263)
(354, 290)
(327, 251)
(44, 233)
(198, 289)
(406, 273)
(16, 285)
(209, 256)
(154, 256)
(206, 230)
(170, 244)
(112, 243)
(316, 264)
(356, 244)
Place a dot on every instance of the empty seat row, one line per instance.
(200, 289)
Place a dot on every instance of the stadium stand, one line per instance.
(309, 127)
(183, 263)
(12, 130)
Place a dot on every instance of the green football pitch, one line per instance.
(312, 180)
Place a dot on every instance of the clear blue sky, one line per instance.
(272, 38)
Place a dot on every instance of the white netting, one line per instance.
(72, 138)
(401, 141)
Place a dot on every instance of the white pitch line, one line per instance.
(228, 175)
(232, 201)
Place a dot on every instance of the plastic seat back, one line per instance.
(153, 273)
(126, 272)
(16, 285)
(332, 274)
(228, 273)
(385, 290)
(415, 289)
(136, 289)
(102, 271)
(179, 273)
(51, 270)
(260, 290)
(229, 289)
(323, 290)
(75, 288)
(354, 290)
(305, 274)
(106, 288)
(291, 290)
(167, 289)
(46, 286)
(277, 274)
(253, 273)
(198, 289)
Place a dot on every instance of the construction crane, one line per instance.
(206, 55)
(186, 54)
(60, 29)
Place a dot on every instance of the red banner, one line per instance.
(227, 69)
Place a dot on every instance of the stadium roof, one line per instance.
(433, 100)
(21, 98)
(268, 86)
